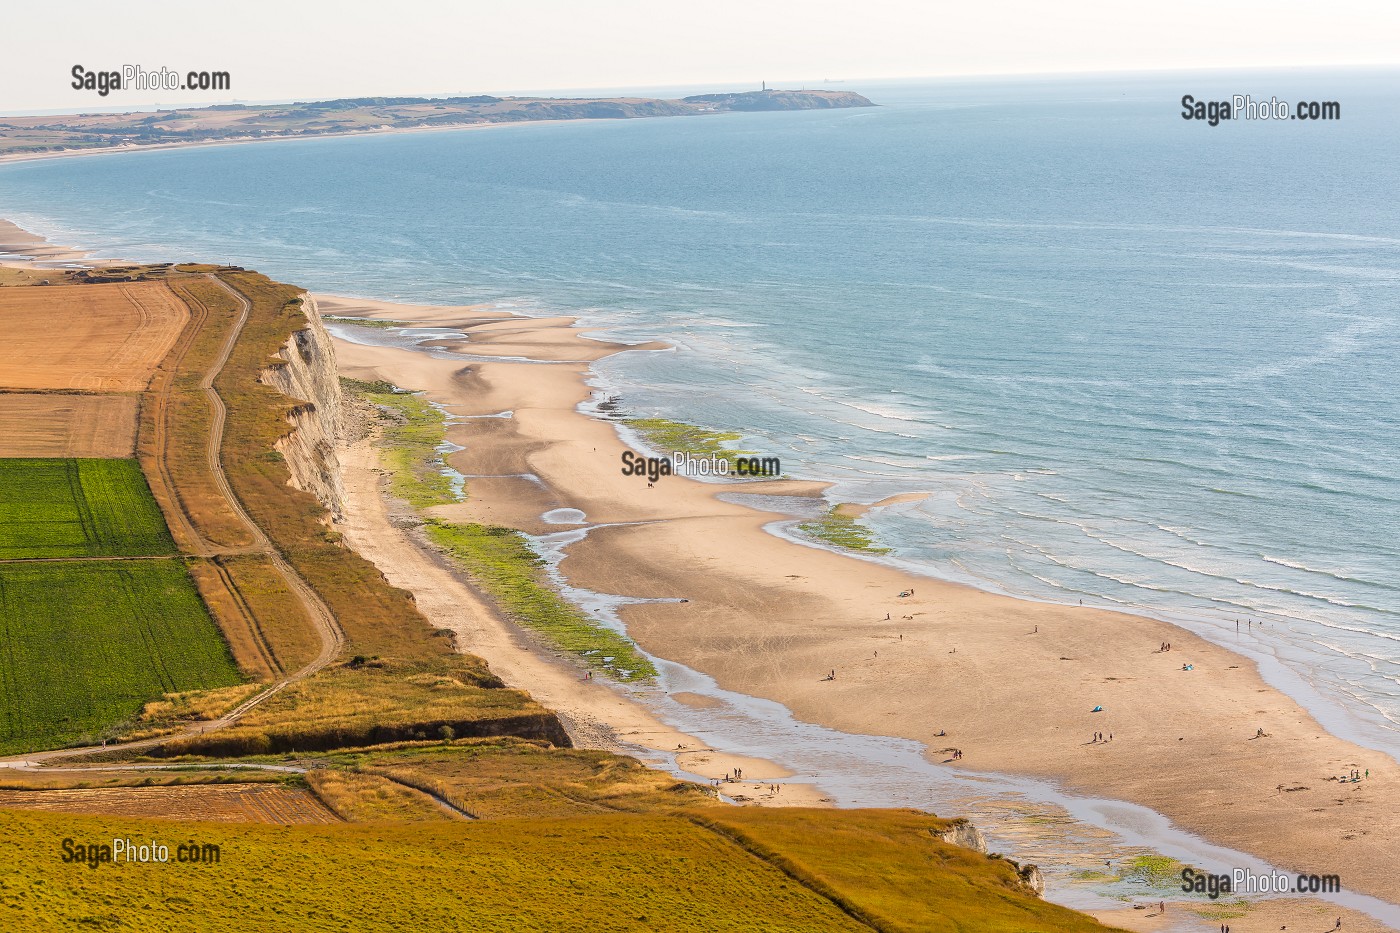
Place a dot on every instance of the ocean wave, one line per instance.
(1334, 574)
(869, 459)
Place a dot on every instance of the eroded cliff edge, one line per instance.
(308, 373)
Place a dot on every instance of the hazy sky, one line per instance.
(285, 49)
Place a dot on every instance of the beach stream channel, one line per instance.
(1093, 853)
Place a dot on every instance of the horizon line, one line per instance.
(543, 93)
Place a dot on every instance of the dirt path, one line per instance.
(332, 637)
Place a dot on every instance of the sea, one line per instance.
(1134, 360)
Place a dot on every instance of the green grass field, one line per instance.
(84, 644)
(78, 508)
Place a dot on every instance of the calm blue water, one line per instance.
(1136, 361)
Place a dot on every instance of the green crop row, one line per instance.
(78, 508)
(85, 644)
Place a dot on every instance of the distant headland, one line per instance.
(23, 136)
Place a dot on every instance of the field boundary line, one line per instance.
(756, 849)
(332, 636)
(254, 626)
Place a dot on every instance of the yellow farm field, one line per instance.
(97, 338)
(44, 425)
(214, 803)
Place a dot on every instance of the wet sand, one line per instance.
(596, 714)
(1013, 683)
(22, 248)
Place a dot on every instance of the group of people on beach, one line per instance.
(1099, 737)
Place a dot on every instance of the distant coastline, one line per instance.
(36, 137)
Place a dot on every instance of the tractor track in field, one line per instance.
(332, 637)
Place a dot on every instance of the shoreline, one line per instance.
(596, 714)
(486, 389)
(557, 325)
(1362, 724)
(12, 157)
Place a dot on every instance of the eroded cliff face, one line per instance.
(309, 375)
(962, 832)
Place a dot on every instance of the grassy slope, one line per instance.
(508, 778)
(123, 633)
(862, 862)
(380, 701)
(611, 873)
(377, 618)
(78, 508)
(757, 871)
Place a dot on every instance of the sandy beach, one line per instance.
(20, 247)
(1012, 683)
(595, 714)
